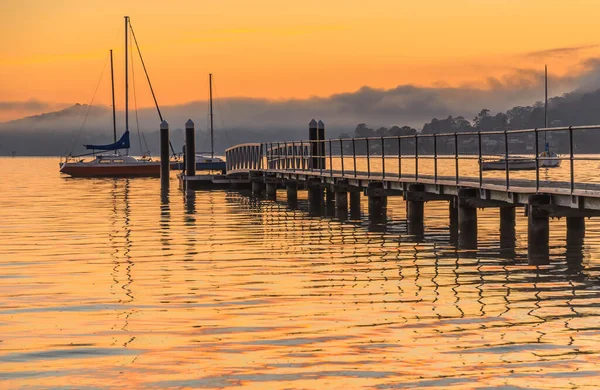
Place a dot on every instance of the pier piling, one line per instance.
(164, 159)
(414, 211)
(575, 237)
(190, 149)
(538, 230)
(330, 201)
(354, 204)
(341, 200)
(257, 183)
(315, 197)
(453, 218)
(377, 202)
(507, 227)
(271, 188)
(292, 193)
(467, 219)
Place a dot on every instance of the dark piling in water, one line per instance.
(190, 149)
(164, 159)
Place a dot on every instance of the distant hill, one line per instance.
(75, 111)
(256, 120)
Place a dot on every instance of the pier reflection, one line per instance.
(121, 245)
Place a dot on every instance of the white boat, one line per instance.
(549, 159)
(546, 159)
(514, 164)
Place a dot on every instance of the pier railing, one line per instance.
(431, 158)
(243, 158)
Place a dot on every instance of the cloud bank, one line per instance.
(253, 119)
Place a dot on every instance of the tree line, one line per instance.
(571, 109)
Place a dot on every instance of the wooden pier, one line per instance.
(336, 172)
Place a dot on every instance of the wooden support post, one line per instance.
(507, 227)
(164, 160)
(330, 202)
(341, 200)
(292, 193)
(271, 190)
(467, 219)
(315, 197)
(355, 205)
(414, 211)
(575, 236)
(453, 219)
(538, 230)
(257, 187)
(341, 204)
(377, 203)
(575, 230)
(190, 149)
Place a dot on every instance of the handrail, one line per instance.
(374, 158)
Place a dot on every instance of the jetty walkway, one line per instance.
(432, 167)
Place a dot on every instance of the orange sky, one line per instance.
(54, 51)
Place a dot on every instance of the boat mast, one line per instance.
(212, 144)
(112, 80)
(126, 77)
(545, 103)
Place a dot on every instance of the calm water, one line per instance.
(101, 286)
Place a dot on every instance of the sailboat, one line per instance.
(546, 159)
(113, 164)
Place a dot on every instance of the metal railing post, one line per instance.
(330, 158)
(368, 159)
(480, 168)
(279, 155)
(416, 157)
(572, 160)
(342, 155)
(435, 160)
(399, 158)
(506, 165)
(354, 154)
(302, 163)
(293, 160)
(382, 158)
(456, 157)
(285, 161)
(321, 156)
(537, 162)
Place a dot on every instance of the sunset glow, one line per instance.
(54, 52)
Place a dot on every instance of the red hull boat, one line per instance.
(112, 166)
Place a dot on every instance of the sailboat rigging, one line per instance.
(546, 159)
(106, 165)
(212, 163)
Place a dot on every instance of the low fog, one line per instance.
(239, 120)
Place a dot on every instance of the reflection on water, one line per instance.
(104, 284)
